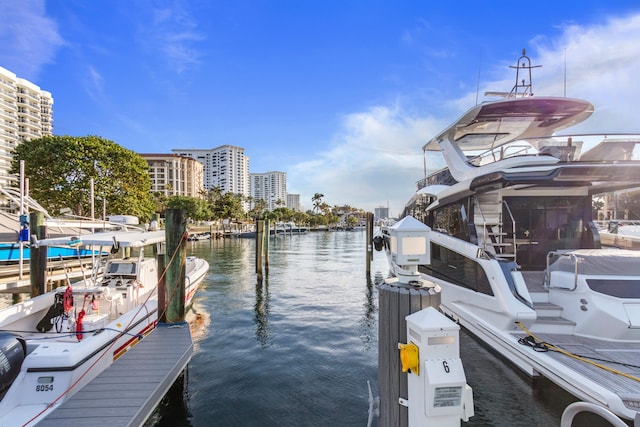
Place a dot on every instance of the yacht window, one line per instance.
(457, 269)
(453, 220)
(618, 288)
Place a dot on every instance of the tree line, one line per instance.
(60, 170)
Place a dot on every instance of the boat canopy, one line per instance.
(598, 262)
(132, 239)
(496, 123)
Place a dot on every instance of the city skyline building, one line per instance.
(293, 202)
(225, 167)
(270, 187)
(26, 112)
(175, 175)
(381, 212)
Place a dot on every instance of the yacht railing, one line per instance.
(501, 153)
(576, 261)
(513, 229)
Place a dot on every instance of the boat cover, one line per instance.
(122, 238)
(600, 262)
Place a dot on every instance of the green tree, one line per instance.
(352, 221)
(317, 201)
(160, 201)
(301, 218)
(60, 168)
(228, 206)
(259, 206)
(195, 208)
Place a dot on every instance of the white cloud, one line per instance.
(29, 39)
(376, 157)
(94, 84)
(173, 32)
(373, 160)
(602, 65)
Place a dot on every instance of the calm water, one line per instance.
(299, 349)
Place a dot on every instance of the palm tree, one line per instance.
(317, 201)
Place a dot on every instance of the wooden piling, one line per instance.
(396, 301)
(259, 243)
(38, 255)
(259, 248)
(369, 243)
(267, 233)
(176, 253)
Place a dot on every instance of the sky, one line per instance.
(339, 94)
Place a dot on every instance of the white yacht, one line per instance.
(514, 247)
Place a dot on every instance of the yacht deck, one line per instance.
(619, 356)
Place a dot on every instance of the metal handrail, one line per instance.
(513, 230)
(576, 407)
(576, 259)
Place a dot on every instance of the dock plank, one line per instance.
(127, 392)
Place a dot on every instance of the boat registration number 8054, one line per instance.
(45, 384)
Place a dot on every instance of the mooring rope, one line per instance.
(539, 342)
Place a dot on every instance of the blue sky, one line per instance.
(339, 94)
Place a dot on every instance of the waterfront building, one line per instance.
(293, 202)
(381, 212)
(175, 175)
(270, 187)
(225, 167)
(26, 112)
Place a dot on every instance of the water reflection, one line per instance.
(261, 309)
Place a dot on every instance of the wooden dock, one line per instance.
(127, 392)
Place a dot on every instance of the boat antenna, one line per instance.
(478, 82)
(565, 72)
(523, 87)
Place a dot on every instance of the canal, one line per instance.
(299, 349)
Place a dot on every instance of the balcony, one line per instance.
(28, 94)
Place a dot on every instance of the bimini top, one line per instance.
(496, 123)
(131, 239)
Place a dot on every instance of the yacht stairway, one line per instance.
(492, 233)
(549, 315)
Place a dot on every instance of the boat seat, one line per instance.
(114, 298)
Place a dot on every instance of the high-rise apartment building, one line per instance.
(174, 175)
(381, 212)
(293, 202)
(270, 187)
(225, 167)
(26, 112)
